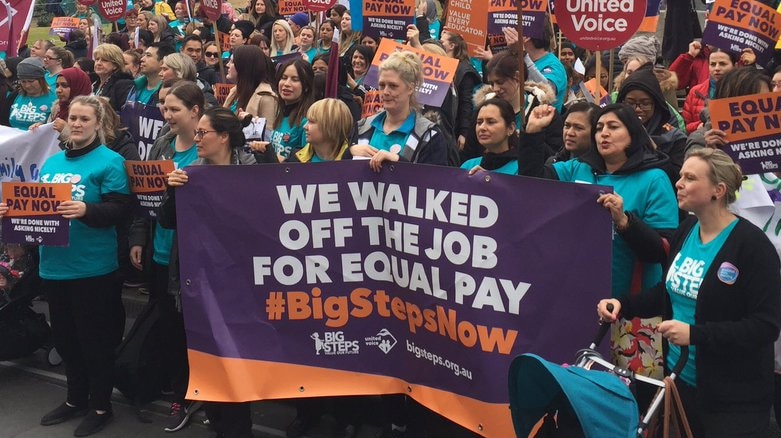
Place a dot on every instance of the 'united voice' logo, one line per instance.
(384, 340)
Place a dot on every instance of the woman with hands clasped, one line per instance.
(622, 156)
(721, 298)
(399, 132)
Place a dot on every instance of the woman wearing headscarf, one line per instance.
(641, 91)
(622, 156)
(71, 83)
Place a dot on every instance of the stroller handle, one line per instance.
(681, 361)
(603, 328)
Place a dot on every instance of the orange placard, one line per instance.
(148, 176)
(290, 7)
(372, 104)
(753, 127)
(468, 19)
(438, 71)
(62, 26)
(221, 92)
(34, 199)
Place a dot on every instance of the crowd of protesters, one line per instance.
(548, 113)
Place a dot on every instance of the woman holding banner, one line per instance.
(400, 132)
(80, 280)
(182, 108)
(721, 299)
(219, 140)
(623, 156)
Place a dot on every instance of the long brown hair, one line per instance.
(252, 69)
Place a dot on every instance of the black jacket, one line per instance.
(125, 146)
(734, 325)
(78, 48)
(669, 139)
(116, 89)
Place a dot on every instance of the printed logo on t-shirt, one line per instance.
(77, 190)
(29, 113)
(396, 148)
(728, 273)
(685, 276)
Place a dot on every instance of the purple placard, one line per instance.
(503, 13)
(37, 230)
(430, 92)
(144, 123)
(335, 266)
(735, 25)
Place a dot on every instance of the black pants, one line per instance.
(88, 320)
(174, 339)
(230, 420)
(710, 424)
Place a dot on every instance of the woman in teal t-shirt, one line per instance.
(34, 102)
(720, 298)
(295, 81)
(182, 108)
(80, 280)
(495, 129)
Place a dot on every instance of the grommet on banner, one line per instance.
(488, 178)
(301, 389)
(195, 392)
(287, 170)
(187, 282)
(392, 168)
(409, 389)
(480, 427)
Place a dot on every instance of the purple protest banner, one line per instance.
(735, 25)
(388, 18)
(504, 13)
(144, 123)
(438, 71)
(32, 218)
(423, 280)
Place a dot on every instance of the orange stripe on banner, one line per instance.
(214, 378)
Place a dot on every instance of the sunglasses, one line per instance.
(212, 54)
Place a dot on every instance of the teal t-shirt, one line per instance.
(510, 168)
(550, 67)
(683, 282)
(143, 95)
(394, 141)
(27, 110)
(310, 55)
(92, 251)
(163, 238)
(649, 196)
(51, 79)
(287, 139)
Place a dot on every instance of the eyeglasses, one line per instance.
(644, 105)
(212, 54)
(774, 84)
(49, 58)
(200, 133)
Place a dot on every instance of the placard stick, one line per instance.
(521, 53)
(219, 49)
(598, 85)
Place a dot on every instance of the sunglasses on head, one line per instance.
(212, 54)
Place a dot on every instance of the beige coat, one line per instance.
(263, 102)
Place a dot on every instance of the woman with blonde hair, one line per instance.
(177, 66)
(113, 83)
(80, 280)
(281, 39)
(405, 134)
(719, 296)
(328, 127)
